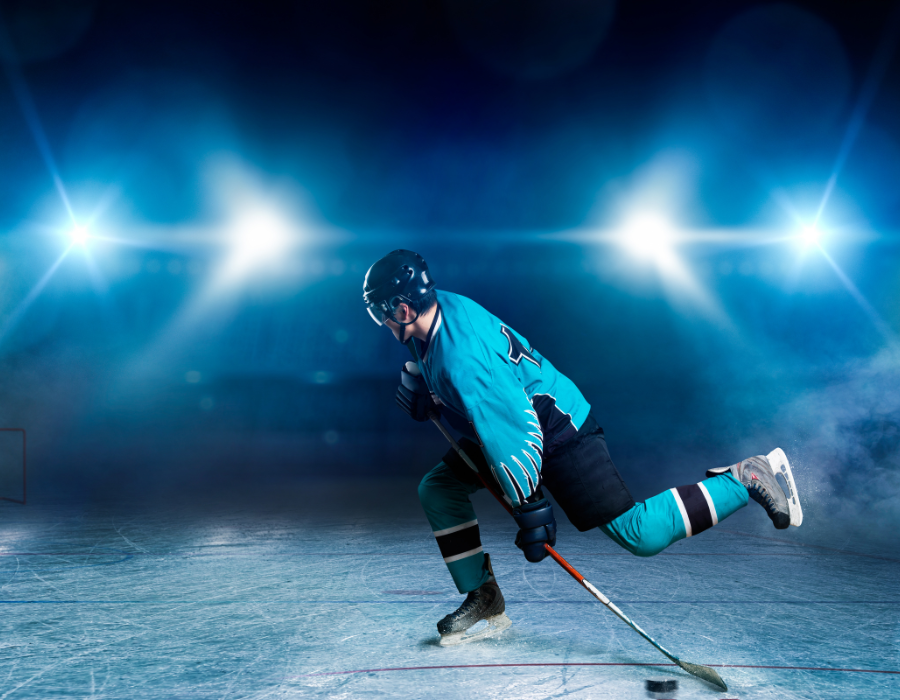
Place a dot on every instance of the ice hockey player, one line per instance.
(527, 427)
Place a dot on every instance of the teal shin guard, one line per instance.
(649, 527)
(445, 500)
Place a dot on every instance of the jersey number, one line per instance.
(517, 351)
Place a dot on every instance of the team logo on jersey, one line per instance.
(516, 350)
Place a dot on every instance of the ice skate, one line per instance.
(759, 474)
(482, 615)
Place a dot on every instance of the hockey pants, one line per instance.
(644, 530)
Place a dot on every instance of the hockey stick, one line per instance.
(703, 672)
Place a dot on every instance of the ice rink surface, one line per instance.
(334, 591)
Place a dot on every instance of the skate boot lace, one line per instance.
(470, 603)
(763, 497)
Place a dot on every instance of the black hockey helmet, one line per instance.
(400, 276)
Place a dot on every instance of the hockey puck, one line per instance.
(662, 685)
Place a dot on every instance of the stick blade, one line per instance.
(704, 673)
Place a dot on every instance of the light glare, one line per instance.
(79, 234)
(259, 237)
(811, 235)
(648, 236)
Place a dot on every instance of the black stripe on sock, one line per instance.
(459, 541)
(696, 506)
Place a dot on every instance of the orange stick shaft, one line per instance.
(573, 572)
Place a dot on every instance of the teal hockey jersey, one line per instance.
(495, 387)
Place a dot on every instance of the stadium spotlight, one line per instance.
(648, 235)
(79, 234)
(811, 234)
(258, 237)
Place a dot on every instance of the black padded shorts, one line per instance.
(579, 474)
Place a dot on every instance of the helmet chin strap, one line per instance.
(403, 339)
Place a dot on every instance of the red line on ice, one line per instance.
(435, 668)
(421, 554)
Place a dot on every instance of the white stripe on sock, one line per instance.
(455, 528)
(684, 515)
(457, 557)
(709, 501)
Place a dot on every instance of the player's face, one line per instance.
(395, 328)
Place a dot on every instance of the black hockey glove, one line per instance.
(536, 526)
(413, 395)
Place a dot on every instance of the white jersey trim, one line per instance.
(683, 511)
(709, 501)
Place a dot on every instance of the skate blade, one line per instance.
(779, 463)
(495, 625)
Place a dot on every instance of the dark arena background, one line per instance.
(691, 208)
